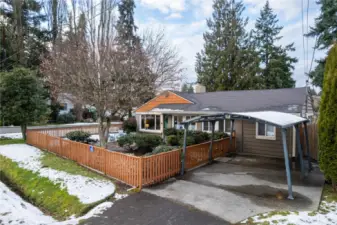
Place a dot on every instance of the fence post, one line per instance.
(140, 173)
(210, 151)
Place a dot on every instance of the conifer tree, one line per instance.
(328, 120)
(228, 60)
(276, 63)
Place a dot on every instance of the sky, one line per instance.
(184, 22)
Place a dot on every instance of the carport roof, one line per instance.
(278, 119)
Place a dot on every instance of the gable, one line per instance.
(164, 98)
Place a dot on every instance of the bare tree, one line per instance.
(92, 68)
(164, 60)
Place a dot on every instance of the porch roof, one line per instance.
(279, 119)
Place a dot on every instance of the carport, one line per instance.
(281, 120)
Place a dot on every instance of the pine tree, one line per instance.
(325, 30)
(188, 88)
(228, 61)
(328, 120)
(277, 64)
(25, 35)
(126, 28)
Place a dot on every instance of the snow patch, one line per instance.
(15, 211)
(326, 215)
(12, 135)
(88, 190)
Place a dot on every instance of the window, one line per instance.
(224, 126)
(191, 125)
(207, 126)
(63, 106)
(265, 131)
(150, 122)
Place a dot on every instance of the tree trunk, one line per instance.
(103, 131)
(334, 185)
(78, 111)
(24, 130)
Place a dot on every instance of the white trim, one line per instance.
(264, 137)
(149, 130)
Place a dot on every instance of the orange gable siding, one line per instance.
(164, 98)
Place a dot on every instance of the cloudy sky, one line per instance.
(185, 21)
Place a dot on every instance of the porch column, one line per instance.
(210, 158)
(231, 135)
(184, 150)
(299, 150)
(308, 147)
(286, 161)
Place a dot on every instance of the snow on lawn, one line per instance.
(15, 211)
(327, 214)
(88, 190)
(12, 135)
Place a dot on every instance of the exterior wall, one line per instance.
(238, 134)
(268, 148)
(164, 98)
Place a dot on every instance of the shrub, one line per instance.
(172, 140)
(200, 137)
(163, 148)
(189, 141)
(66, 118)
(127, 142)
(130, 125)
(79, 136)
(170, 131)
(147, 141)
(220, 135)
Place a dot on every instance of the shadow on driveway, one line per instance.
(144, 208)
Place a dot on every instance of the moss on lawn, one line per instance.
(11, 141)
(40, 191)
(52, 161)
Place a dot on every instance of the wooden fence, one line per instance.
(132, 170)
(313, 140)
(62, 131)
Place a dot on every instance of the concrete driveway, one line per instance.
(237, 189)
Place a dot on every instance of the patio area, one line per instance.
(237, 188)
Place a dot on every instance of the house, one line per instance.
(170, 108)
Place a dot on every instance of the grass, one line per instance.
(52, 161)
(11, 141)
(40, 191)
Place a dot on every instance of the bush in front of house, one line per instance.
(79, 136)
(170, 131)
(130, 125)
(164, 148)
(220, 135)
(190, 140)
(172, 140)
(66, 118)
(127, 142)
(145, 142)
(200, 137)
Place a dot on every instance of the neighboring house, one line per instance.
(170, 108)
(65, 103)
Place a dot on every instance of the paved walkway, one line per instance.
(144, 208)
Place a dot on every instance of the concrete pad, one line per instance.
(236, 192)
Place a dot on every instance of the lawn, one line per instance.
(5, 141)
(326, 214)
(54, 162)
(40, 191)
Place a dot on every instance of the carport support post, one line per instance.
(299, 149)
(286, 161)
(210, 158)
(184, 151)
(231, 136)
(308, 147)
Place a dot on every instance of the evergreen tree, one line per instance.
(328, 120)
(23, 36)
(126, 28)
(277, 64)
(23, 98)
(229, 60)
(325, 30)
(188, 88)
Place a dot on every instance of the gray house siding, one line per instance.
(248, 144)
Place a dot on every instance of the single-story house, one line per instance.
(170, 108)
